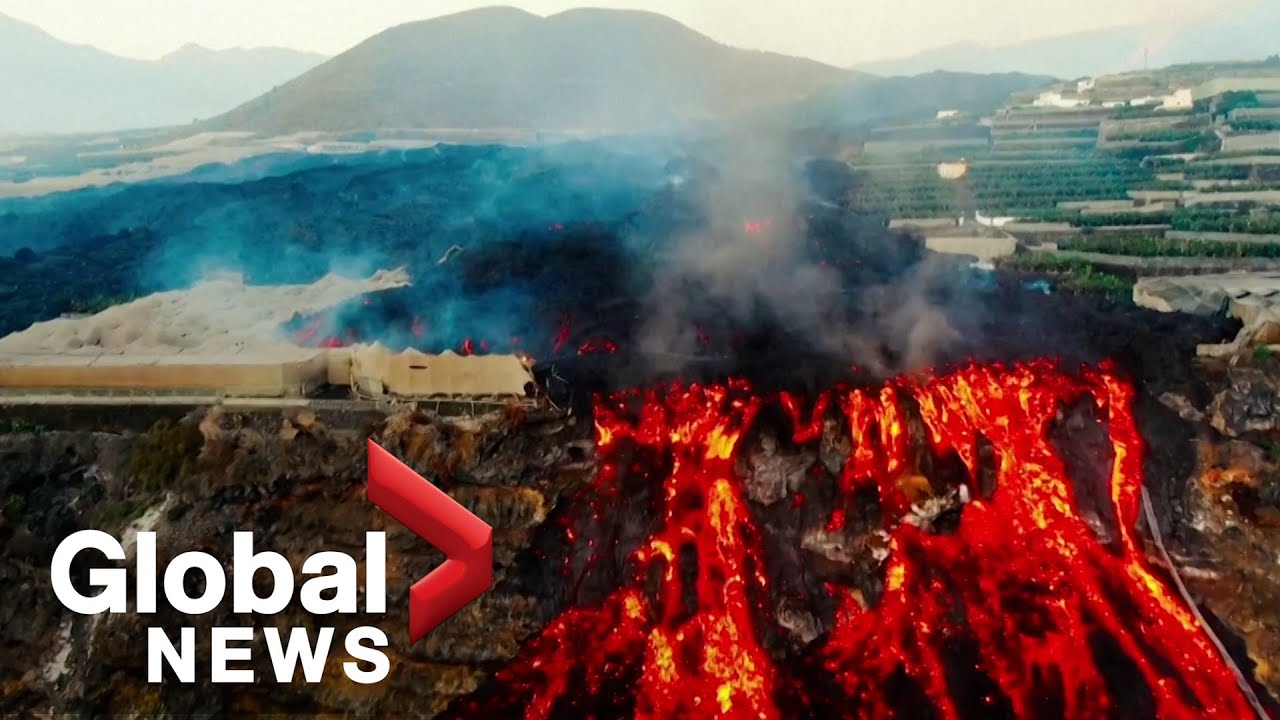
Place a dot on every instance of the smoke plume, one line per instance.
(778, 250)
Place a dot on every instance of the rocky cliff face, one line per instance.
(1233, 506)
(299, 483)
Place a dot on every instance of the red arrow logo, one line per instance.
(466, 540)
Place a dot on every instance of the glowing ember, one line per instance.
(592, 347)
(562, 336)
(309, 333)
(1023, 579)
(703, 337)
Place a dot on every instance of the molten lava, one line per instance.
(1023, 576)
(592, 347)
(702, 663)
(1051, 609)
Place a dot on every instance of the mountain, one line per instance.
(48, 85)
(1066, 56)
(503, 68)
(915, 97)
(1242, 32)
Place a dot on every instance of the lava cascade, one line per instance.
(1023, 578)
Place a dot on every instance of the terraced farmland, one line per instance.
(999, 186)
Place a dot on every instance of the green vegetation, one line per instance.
(1039, 148)
(1193, 219)
(1164, 185)
(1205, 220)
(1135, 112)
(998, 187)
(1162, 135)
(1172, 247)
(1139, 152)
(1235, 100)
(1239, 187)
(1217, 172)
(1120, 219)
(164, 453)
(1086, 132)
(1072, 274)
(1255, 125)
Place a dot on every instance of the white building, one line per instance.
(1180, 100)
(992, 221)
(1056, 100)
(946, 114)
(1084, 86)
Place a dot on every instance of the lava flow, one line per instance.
(1024, 577)
(1022, 611)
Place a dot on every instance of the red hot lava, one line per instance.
(1024, 577)
(591, 347)
(704, 663)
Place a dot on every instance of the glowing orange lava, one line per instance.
(1023, 578)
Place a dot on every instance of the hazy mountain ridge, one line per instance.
(1251, 32)
(494, 68)
(53, 86)
(917, 96)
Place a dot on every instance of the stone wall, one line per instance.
(1251, 142)
(231, 375)
(983, 248)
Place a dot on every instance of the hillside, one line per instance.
(1244, 31)
(594, 70)
(916, 97)
(52, 86)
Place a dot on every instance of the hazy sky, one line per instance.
(840, 32)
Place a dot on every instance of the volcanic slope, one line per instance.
(503, 68)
